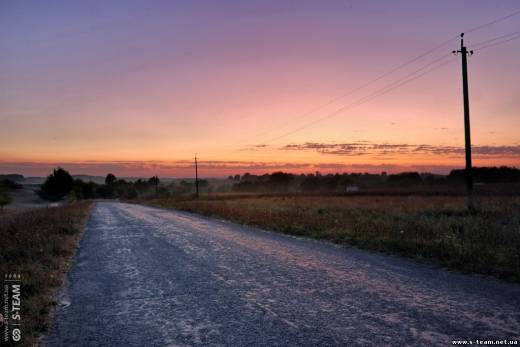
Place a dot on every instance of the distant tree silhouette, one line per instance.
(327, 183)
(154, 180)
(110, 179)
(8, 184)
(84, 190)
(404, 179)
(487, 174)
(89, 190)
(13, 177)
(310, 183)
(279, 181)
(57, 185)
(5, 199)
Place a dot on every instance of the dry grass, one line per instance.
(436, 228)
(38, 244)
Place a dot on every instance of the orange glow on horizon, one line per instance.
(221, 81)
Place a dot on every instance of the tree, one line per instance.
(154, 181)
(89, 190)
(57, 185)
(111, 178)
(13, 177)
(310, 183)
(404, 179)
(84, 190)
(5, 199)
(9, 184)
(77, 188)
(279, 181)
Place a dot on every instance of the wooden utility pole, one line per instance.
(467, 136)
(196, 179)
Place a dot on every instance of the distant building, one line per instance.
(352, 188)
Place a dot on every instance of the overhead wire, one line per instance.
(497, 43)
(375, 94)
(386, 89)
(514, 33)
(493, 22)
(362, 86)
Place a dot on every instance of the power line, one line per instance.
(497, 43)
(359, 102)
(496, 38)
(396, 68)
(399, 82)
(394, 85)
(363, 86)
(495, 21)
(411, 78)
(405, 80)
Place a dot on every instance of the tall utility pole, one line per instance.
(467, 136)
(196, 179)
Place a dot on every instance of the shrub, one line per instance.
(111, 178)
(5, 199)
(57, 185)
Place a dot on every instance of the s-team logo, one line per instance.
(11, 315)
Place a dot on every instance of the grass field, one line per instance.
(38, 244)
(434, 228)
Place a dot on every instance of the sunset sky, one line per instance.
(140, 87)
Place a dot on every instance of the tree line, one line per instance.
(61, 183)
(317, 182)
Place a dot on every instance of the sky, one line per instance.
(138, 88)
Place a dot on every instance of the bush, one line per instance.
(84, 190)
(9, 184)
(57, 185)
(5, 199)
(111, 178)
(404, 179)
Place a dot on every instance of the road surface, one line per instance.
(151, 277)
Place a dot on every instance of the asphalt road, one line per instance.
(152, 277)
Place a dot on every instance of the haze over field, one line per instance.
(137, 88)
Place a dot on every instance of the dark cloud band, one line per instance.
(384, 149)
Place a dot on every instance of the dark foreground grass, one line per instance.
(435, 228)
(38, 244)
